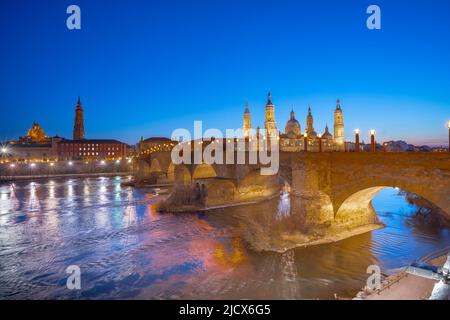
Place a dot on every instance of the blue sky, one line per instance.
(144, 68)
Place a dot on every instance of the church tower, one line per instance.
(247, 122)
(310, 125)
(339, 127)
(78, 128)
(270, 125)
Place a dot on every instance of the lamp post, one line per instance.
(306, 141)
(356, 140)
(372, 141)
(320, 142)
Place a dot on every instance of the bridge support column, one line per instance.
(309, 201)
(182, 175)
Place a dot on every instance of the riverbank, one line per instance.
(68, 175)
(404, 286)
(289, 241)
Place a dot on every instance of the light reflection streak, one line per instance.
(284, 206)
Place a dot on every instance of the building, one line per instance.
(32, 152)
(339, 138)
(78, 127)
(81, 148)
(293, 140)
(269, 123)
(310, 132)
(91, 149)
(247, 129)
(37, 147)
(145, 145)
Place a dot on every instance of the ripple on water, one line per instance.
(126, 249)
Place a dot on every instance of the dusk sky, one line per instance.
(145, 68)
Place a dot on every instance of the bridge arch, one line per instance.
(171, 172)
(256, 185)
(357, 207)
(155, 166)
(203, 171)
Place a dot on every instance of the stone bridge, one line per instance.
(327, 188)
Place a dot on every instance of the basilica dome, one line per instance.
(292, 126)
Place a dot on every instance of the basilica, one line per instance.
(293, 139)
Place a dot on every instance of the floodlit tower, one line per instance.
(78, 128)
(270, 124)
(339, 139)
(247, 122)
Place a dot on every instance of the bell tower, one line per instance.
(247, 121)
(78, 128)
(310, 124)
(339, 138)
(270, 124)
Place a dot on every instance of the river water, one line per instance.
(125, 249)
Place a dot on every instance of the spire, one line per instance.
(338, 104)
(309, 110)
(79, 105)
(269, 99)
(246, 106)
(292, 114)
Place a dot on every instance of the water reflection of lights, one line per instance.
(233, 258)
(86, 189)
(51, 192)
(70, 191)
(33, 200)
(284, 206)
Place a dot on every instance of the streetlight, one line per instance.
(356, 140)
(32, 165)
(70, 163)
(372, 140)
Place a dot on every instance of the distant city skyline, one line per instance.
(145, 69)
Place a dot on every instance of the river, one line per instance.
(125, 249)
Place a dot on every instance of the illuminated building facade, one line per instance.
(293, 140)
(91, 149)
